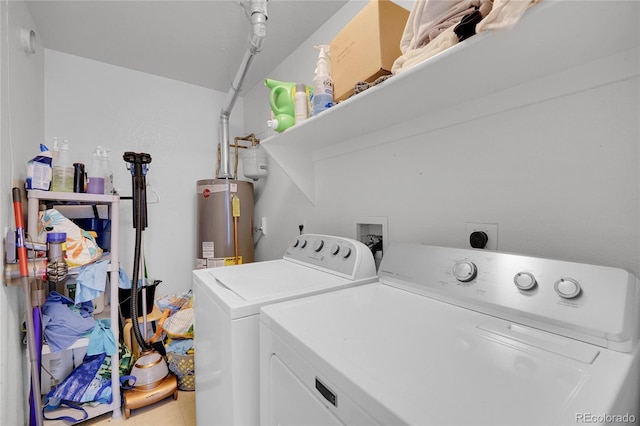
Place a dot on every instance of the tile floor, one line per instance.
(180, 412)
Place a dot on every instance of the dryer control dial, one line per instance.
(317, 246)
(567, 288)
(335, 249)
(465, 270)
(524, 280)
(346, 252)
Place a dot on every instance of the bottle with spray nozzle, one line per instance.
(322, 82)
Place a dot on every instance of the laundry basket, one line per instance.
(184, 369)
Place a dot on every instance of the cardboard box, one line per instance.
(367, 47)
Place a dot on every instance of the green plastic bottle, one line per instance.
(282, 101)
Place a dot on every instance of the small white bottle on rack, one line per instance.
(301, 103)
(62, 180)
(95, 174)
(55, 151)
(108, 174)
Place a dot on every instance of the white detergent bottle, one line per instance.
(322, 82)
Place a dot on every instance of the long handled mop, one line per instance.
(36, 401)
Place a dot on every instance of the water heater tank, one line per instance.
(224, 222)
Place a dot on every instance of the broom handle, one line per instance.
(24, 274)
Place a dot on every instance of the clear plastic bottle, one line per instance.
(108, 174)
(62, 180)
(95, 173)
(322, 82)
(55, 151)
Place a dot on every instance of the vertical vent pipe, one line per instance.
(258, 17)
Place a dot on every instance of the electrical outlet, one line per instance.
(491, 229)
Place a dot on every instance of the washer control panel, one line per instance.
(596, 304)
(342, 256)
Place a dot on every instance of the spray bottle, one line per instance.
(322, 83)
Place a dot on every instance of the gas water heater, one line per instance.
(225, 204)
(224, 222)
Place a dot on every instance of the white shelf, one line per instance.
(92, 412)
(111, 310)
(552, 37)
(74, 196)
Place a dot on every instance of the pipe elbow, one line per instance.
(258, 16)
(258, 7)
(258, 34)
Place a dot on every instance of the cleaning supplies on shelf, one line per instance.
(301, 101)
(39, 170)
(322, 83)
(108, 174)
(62, 180)
(95, 174)
(281, 99)
(79, 178)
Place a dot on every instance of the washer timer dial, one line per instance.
(465, 271)
(524, 280)
(567, 288)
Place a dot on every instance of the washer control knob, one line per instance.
(567, 288)
(346, 252)
(317, 246)
(303, 243)
(335, 249)
(465, 270)
(524, 280)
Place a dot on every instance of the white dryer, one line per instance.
(459, 337)
(227, 303)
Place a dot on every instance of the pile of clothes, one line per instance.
(177, 326)
(435, 25)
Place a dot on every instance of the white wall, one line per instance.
(21, 130)
(558, 171)
(92, 103)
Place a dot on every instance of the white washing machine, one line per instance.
(459, 337)
(227, 304)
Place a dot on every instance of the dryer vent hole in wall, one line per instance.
(372, 235)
